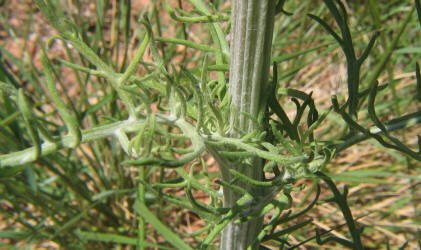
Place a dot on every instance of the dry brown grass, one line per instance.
(388, 208)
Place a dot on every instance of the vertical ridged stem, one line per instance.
(251, 41)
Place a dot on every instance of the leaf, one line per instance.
(5, 234)
(418, 7)
(114, 238)
(327, 28)
(408, 50)
(169, 235)
(418, 75)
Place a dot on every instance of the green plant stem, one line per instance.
(93, 134)
(142, 225)
(341, 200)
(392, 125)
(202, 7)
(251, 41)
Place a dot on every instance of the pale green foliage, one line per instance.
(173, 116)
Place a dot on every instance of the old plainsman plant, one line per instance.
(165, 121)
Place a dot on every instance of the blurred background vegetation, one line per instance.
(83, 197)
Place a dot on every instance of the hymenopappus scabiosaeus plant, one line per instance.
(155, 122)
